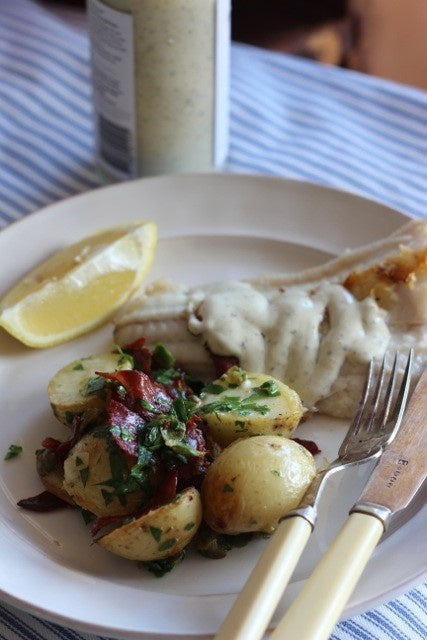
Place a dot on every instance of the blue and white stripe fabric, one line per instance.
(300, 119)
(289, 117)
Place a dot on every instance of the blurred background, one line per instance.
(386, 38)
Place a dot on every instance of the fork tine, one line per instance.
(401, 399)
(388, 397)
(373, 408)
(355, 425)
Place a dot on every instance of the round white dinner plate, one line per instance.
(211, 227)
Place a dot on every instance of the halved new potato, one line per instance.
(254, 482)
(88, 478)
(241, 404)
(160, 533)
(76, 388)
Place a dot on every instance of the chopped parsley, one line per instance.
(214, 388)
(156, 533)
(93, 385)
(242, 406)
(84, 475)
(125, 357)
(160, 567)
(162, 357)
(13, 451)
(216, 545)
(88, 516)
(107, 496)
(122, 432)
(167, 544)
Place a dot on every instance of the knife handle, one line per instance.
(318, 606)
(254, 606)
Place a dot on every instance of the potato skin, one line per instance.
(254, 482)
(160, 533)
(285, 410)
(52, 475)
(66, 388)
(85, 488)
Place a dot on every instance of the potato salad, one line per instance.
(157, 461)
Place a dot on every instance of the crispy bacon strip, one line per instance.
(124, 426)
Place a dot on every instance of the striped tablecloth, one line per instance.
(289, 117)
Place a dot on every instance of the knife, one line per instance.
(396, 479)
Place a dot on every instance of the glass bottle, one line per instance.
(160, 71)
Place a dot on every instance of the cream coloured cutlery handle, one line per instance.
(255, 605)
(316, 609)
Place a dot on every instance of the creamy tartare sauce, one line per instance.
(176, 103)
(301, 336)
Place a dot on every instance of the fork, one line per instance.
(375, 424)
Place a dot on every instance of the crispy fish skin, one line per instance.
(392, 271)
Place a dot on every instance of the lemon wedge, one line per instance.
(79, 287)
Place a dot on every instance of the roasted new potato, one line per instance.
(254, 482)
(88, 478)
(75, 389)
(160, 533)
(242, 404)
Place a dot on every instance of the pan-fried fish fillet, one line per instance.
(316, 329)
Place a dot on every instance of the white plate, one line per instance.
(211, 227)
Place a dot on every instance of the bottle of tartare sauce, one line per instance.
(160, 72)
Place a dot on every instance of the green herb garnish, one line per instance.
(125, 357)
(160, 567)
(88, 516)
(84, 475)
(167, 544)
(107, 496)
(213, 388)
(122, 432)
(216, 545)
(156, 533)
(243, 406)
(13, 451)
(162, 357)
(269, 388)
(93, 385)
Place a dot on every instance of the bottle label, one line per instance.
(112, 52)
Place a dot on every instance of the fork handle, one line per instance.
(256, 603)
(318, 606)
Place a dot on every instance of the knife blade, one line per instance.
(402, 468)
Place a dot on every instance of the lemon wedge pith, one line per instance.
(79, 287)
